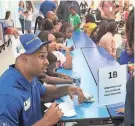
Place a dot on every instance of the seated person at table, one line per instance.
(129, 103)
(119, 50)
(64, 61)
(127, 55)
(21, 92)
(107, 41)
(53, 77)
(90, 24)
(121, 47)
(74, 19)
(50, 23)
(61, 39)
(93, 35)
(101, 31)
(67, 30)
(10, 29)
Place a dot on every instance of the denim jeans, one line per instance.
(22, 24)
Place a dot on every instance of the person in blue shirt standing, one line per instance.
(21, 92)
(47, 5)
(127, 55)
(21, 14)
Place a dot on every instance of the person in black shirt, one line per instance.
(129, 104)
(47, 23)
(64, 9)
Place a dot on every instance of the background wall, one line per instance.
(12, 5)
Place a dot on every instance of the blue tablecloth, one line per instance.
(82, 40)
(86, 110)
(84, 60)
(98, 58)
(113, 112)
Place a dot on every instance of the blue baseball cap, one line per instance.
(28, 44)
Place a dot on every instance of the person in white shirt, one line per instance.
(10, 29)
(64, 61)
(29, 14)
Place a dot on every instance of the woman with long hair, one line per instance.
(107, 41)
(28, 19)
(21, 14)
(10, 29)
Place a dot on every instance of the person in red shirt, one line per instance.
(125, 14)
(108, 9)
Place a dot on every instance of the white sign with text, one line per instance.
(112, 85)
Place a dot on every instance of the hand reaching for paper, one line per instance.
(72, 90)
(65, 76)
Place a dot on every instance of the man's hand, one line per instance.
(53, 115)
(72, 90)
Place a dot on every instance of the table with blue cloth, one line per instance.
(81, 40)
(87, 59)
(87, 113)
(99, 58)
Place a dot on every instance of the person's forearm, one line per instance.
(54, 92)
(56, 80)
(68, 64)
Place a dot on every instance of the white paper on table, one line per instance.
(48, 105)
(66, 107)
(88, 98)
(66, 98)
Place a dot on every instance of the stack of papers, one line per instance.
(66, 107)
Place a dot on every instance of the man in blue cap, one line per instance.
(21, 92)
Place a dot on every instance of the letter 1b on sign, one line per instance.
(112, 74)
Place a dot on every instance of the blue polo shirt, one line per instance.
(19, 99)
(46, 6)
(21, 9)
(125, 58)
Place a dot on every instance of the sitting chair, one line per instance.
(2, 39)
(7, 37)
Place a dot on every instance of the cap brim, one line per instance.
(38, 47)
